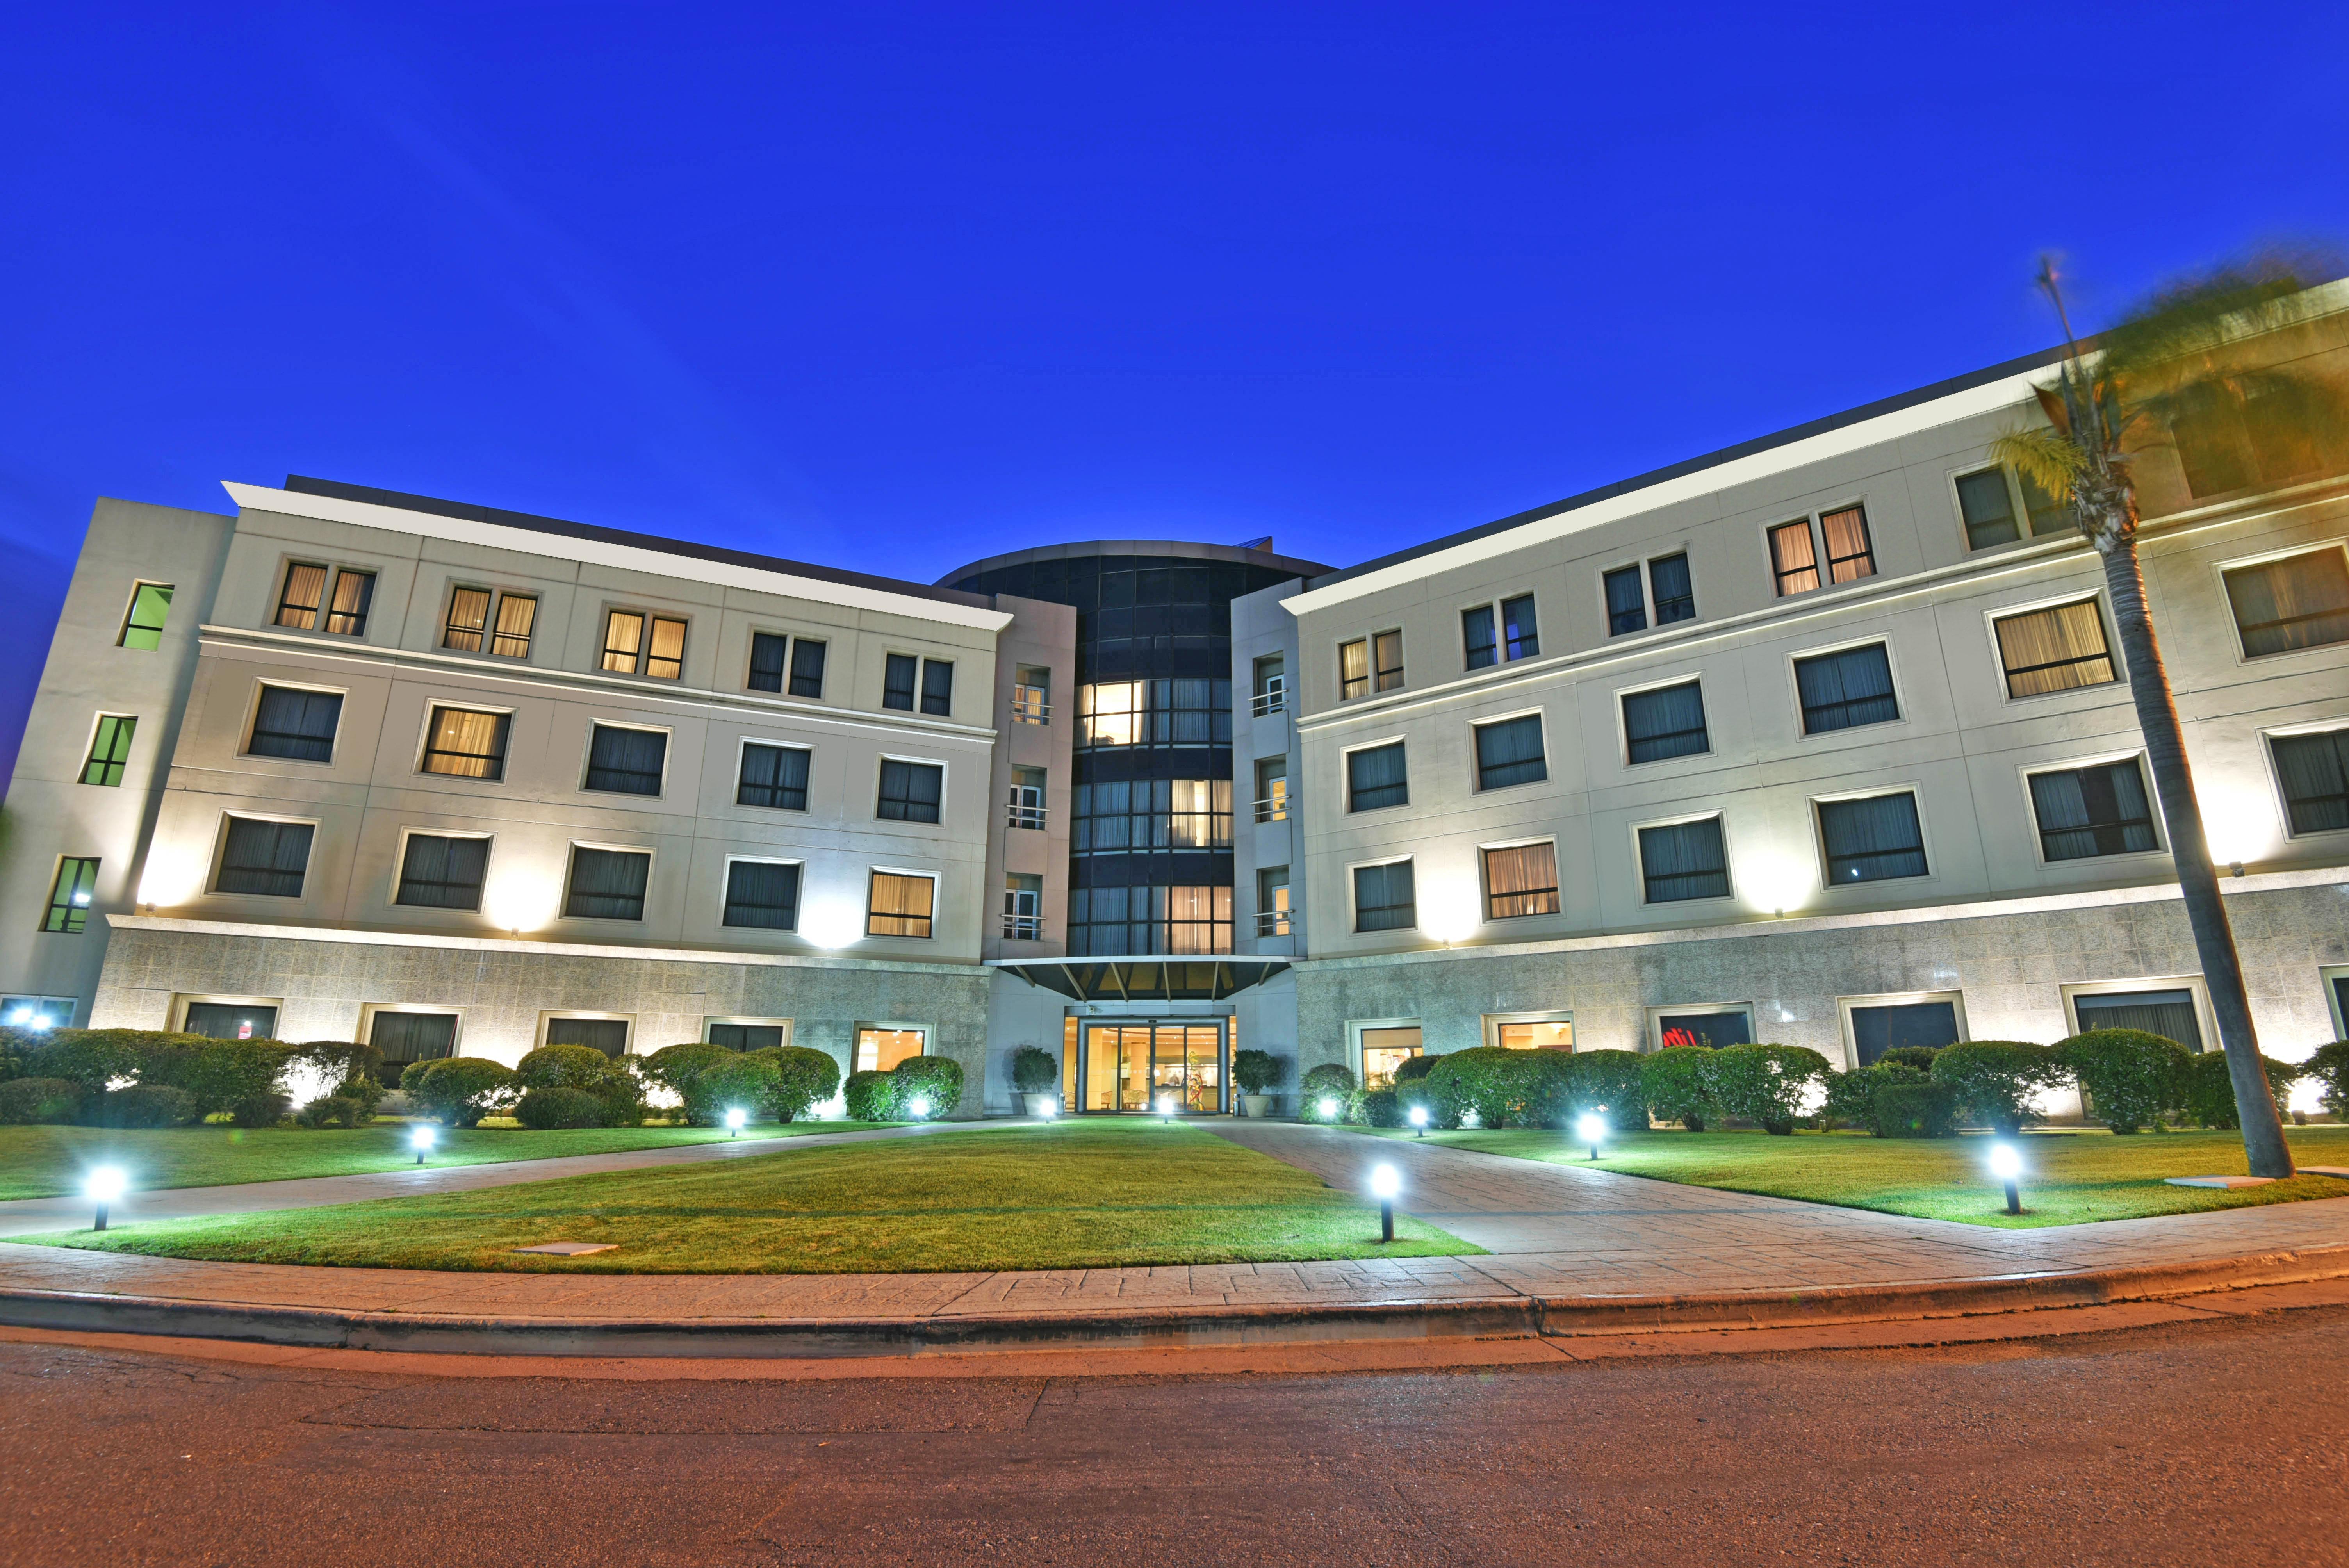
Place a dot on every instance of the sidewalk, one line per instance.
(1571, 1251)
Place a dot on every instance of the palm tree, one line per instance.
(2184, 353)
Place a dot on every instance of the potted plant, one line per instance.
(1256, 1072)
(1033, 1074)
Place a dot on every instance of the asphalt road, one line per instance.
(2217, 1443)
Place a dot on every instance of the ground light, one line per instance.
(103, 1186)
(919, 1106)
(420, 1141)
(1591, 1130)
(1051, 1109)
(734, 1120)
(1419, 1120)
(1385, 1183)
(1329, 1109)
(2006, 1164)
(1167, 1108)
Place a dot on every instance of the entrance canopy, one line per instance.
(1144, 979)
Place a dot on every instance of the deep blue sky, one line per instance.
(893, 288)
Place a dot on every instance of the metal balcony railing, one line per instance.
(1023, 927)
(1028, 706)
(1279, 922)
(1268, 703)
(1025, 817)
(1276, 807)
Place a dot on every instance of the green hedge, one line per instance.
(678, 1067)
(458, 1091)
(1034, 1070)
(1679, 1084)
(937, 1079)
(1412, 1091)
(1851, 1097)
(1504, 1087)
(2329, 1066)
(1609, 1082)
(2130, 1077)
(1381, 1107)
(40, 1101)
(1917, 1108)
(2206, 1090)
(1995, 1081)
(804, 1079)
(1769, 1083)
(1330, 1081)
(561, 1106)
(871, 1095)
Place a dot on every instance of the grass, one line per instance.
(42, 1162)
(2069, 1178)
(1088, 1195)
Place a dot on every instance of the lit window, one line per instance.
(1384, 1050)
(879, 1050)
(1354, 669)
(70, 895)
(624, 639)
(1387, 648)
(354, 593)
(298, 601)
(465, 744)
(1521, 880)
(1850, 556)
(900, 906)
(109, 750)
(1793, 557)
(664, 660)
(2059, 648)
(142, 626)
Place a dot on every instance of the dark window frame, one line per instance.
(223, 869)
(110, 740)
(305, 615)
(929, 922)
(1534, 769)
(2116, 830)
(501, 738)
(2329, 802)
(896, 696)
(2244, 634)
(1402, 788)
(1494, 900)
(132, 625)
(1409, 906)
(1650, 879)
(908, 804)
(293, 739)
(1632, 743)
(780, 788)
(1833, 858)
(402, 881)
(729, 904)
(1480, 638)
(572, 895)
(938, 687)
(1833, 716)
(2010, 674)
(659, 777)
(73, 893)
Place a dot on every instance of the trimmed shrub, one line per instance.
(676, 1069)
(1994, 1080)
(218, 1075)
(2329, 1066)
(2130, 1077)
(142, 1105)
(458, 1091)
(561, 1106)
(937, 1079)
(95, 1057)
(1851, 1097)
(564, 1066)
(1917, 1057)
(1034, 1071)
(1609, 1082)
(339, 1061)
(803, 1077)
(1412, 1089)
(332, 1110)
(1492, 1083)
(1330, 1081)
(46, 1101)
(1677, 1082)
(2207, 1091)
(1918, 1107)
(1381, 1107)
(1255, 1071)
(744, 1083)
(871, 1095)
(1768, 1083)
(261, 1110)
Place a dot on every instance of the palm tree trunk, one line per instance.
(2198, 879)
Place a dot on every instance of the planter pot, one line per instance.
(1040, 1104)
(1259, 1106)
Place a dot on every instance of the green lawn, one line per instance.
(2068, 1178)
(1087, 1195)
(40, 1161)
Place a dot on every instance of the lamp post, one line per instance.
(1385, 1183)
(103, 1186)
(420, 1140)
(2006, 1165)
(1419, 1120)
(1591, 1128)
(734, 1120)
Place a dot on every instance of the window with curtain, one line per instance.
(468, 626)
(664, 655)
(466, 744)
(1386, 650)
(910, 791)
(2314, 771)
(70, 892)
(1845, 689)
(304, 594)
(1384, 899)
(747, 1036)
(1627, 608)
(1510, 752)
(1683, 861)
(899, 905)
(1520, 630)
(1793, 557)
(938, 687)
(1119, 816)
(807, 667)
(1986, 503)
(626, 761)
(296, 724)
(897, 682)
(1354, 669)
(1521, 880)
(2084, 812)
(1199, 813)
(1375, 778)
(1483, 649)
(1198, 920)
(773, 777)
(346, 613)
(764, 894)
(442, 872)
(1873, 840)
(110, 750)
(405, 1037)
(2299, 603)
(263, 857)
(624, 639)
(1894, 1026)
(1669, 586)
(609, 1036)
(2169, 1014)
(770, 653)
(1712, 1030)
(1850, 556)
(1667, 723)
(230, 1021)
(517, 614)
(142, 626)
(608, 884)
(2059, 648)
(1384, 1050)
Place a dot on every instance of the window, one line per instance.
(230, 1021)
(770, 653)
(938, 687)
(1384, 1050)
(1353, 670)
(1519, 636)
(1872, 840)
(1271, 685)
(2059, 648)
(897, 682)
(1114, 920)
(1155, 713)
(298, 600)
(807, 667)
(1510, 752)
(1521, 880)
(2301, 602)
(469, 625)
(296, 724)
(1627, 607)
(764, 894)
(1375, 779)
(1879, 1028)
(747, 1036)
(1713, 1030)
(1274, 913)
(2170, 1013)
(1846, 689)
(1386, 650)
(2084, 812)
(1272, 790)
(1683, 861)
(1666, 723)
(1534, 1034)
(1476, 631)
(624, 761)
(142, 625)
(109, 750)
(910, 791)
(70, 894)
(1118, 817)
(1383, 897)
(1023, 908)
(264, 857)
(1031, 694)
(609, 1036)
(1993, 502)
(608, 884)
(2225, 443)
(354, 592)
(440, 872)
(2314, 771)
(1793, 557)
(466, 744)
(304, 594)
(1669, 585)
(666, 658)
(625, 640)
(880, 1050)
(1027, 803)
(900, 906)
(772, 777)
(38, 1012)
(1520, 633)
(405, 1037)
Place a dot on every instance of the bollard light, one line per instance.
(734, 1120)
(1051, 1109)
(2006, 1165)
(420, 1140)
(1167, 1108)
(103, 1186)
(1386, 1183)
(1419, 1120)
(1591, 1130)
(1329, 1109)
(919, 1105)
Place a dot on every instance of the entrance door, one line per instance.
(1131, 1066)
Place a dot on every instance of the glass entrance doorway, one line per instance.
(1129, 1066)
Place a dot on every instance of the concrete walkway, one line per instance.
(1570, 1249)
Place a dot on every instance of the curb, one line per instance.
(1490, 1318)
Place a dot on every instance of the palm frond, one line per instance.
(2173, 337)
(2046, 458)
